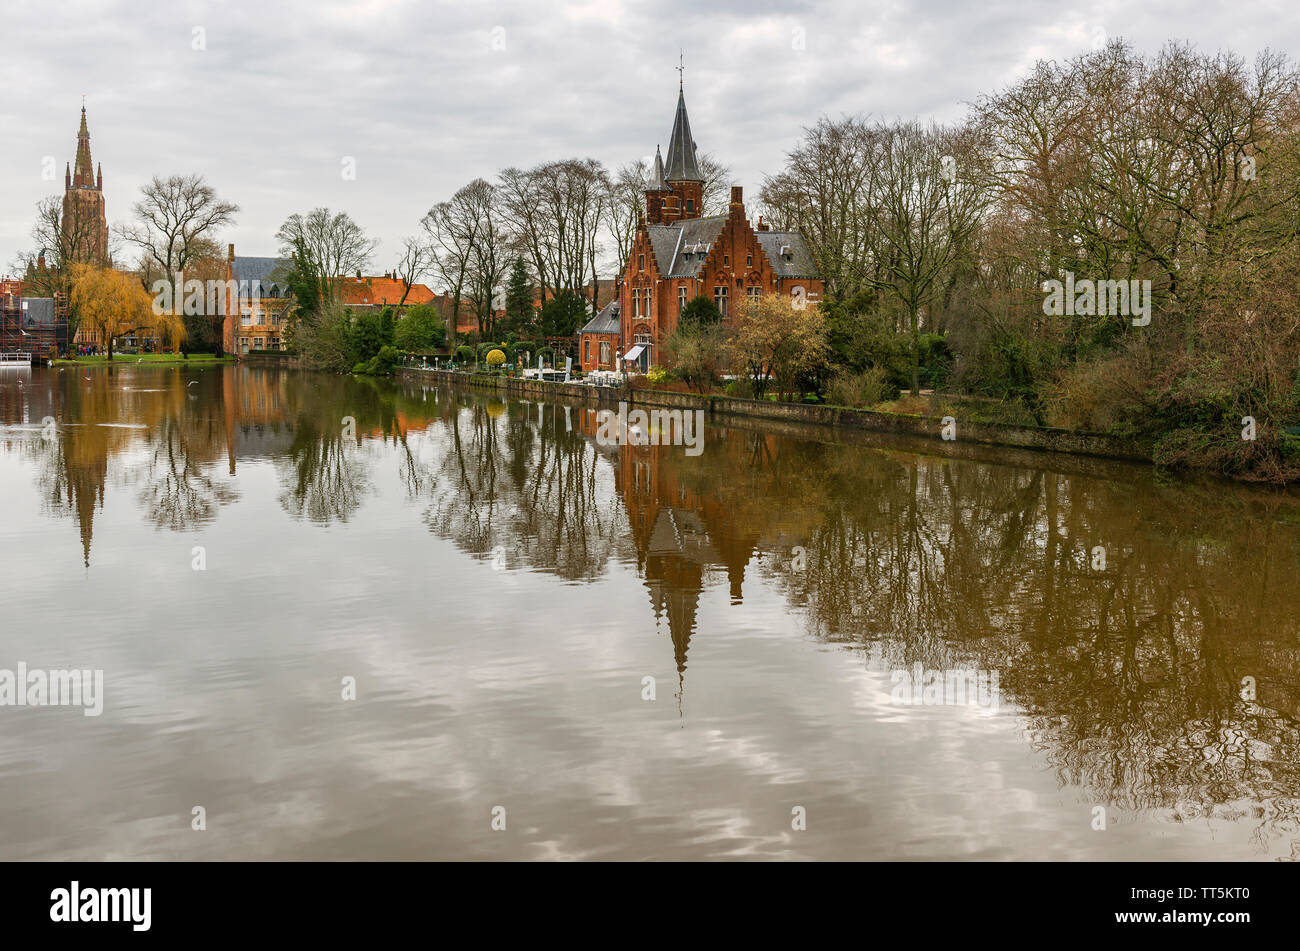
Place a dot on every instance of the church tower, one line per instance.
(683, 172)
(85, 223)
(676, 191)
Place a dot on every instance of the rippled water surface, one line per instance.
(500, 587)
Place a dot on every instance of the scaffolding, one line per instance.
(33, 325)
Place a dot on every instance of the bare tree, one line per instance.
(171, 217)
(337, 244)
(556, 212)
(490, 255)
(927, 205)
(625, 205)
(417, 258)
(453, 228)
(62, 241)
(716, 192)
(825, 192)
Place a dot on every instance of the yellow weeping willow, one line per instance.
(113, 304)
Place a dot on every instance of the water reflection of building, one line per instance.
(680, 536)
(185, 424)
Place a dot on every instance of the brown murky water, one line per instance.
(500, 587)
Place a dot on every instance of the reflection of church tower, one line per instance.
(672, 551)
(85, 224)
(675, 583)
(85, 472)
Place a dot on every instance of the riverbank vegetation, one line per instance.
(1179, 171)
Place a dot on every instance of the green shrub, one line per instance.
(384, 363)
(867, 388)
(741, 389)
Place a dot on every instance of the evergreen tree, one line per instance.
(699, 314)
(519, 299)
(563, 314)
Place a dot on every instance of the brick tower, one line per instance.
(85, 224)
(682, 174)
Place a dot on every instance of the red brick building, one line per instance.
(598, 341)
(677, 255)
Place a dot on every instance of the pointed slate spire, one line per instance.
(657, 183)
(682, 163)
(83, 173)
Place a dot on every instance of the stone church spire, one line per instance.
(85, 223)
(83, 175)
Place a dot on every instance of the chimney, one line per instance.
(737, 195)
(358, 275)
(762, 225)
(230, 253)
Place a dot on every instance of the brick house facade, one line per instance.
(677, 254)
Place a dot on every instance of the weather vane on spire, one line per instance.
(680, 67)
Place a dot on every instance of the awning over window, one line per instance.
(634, 352)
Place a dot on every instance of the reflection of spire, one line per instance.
(85, 490)
(675, 583)
(85, 504)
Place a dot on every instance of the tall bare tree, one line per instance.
(416, 259)
(337, 244)
(171, 217)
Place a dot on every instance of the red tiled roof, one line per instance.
(382, 290)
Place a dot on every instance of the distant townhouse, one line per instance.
(257, 301)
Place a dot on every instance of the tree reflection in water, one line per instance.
(1128, 679)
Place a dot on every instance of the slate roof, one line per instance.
(606, 322)
(799, 261)
(657, 183)
(268, 275)
(683, 166)
(680, 248)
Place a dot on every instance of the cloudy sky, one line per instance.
(269, 100)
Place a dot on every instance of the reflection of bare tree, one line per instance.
(1129, 675)
(179, 490)
(521, 483)
(325, 477)
(325, 470)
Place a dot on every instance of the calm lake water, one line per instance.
(500, 587)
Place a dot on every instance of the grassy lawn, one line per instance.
(155, 358)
